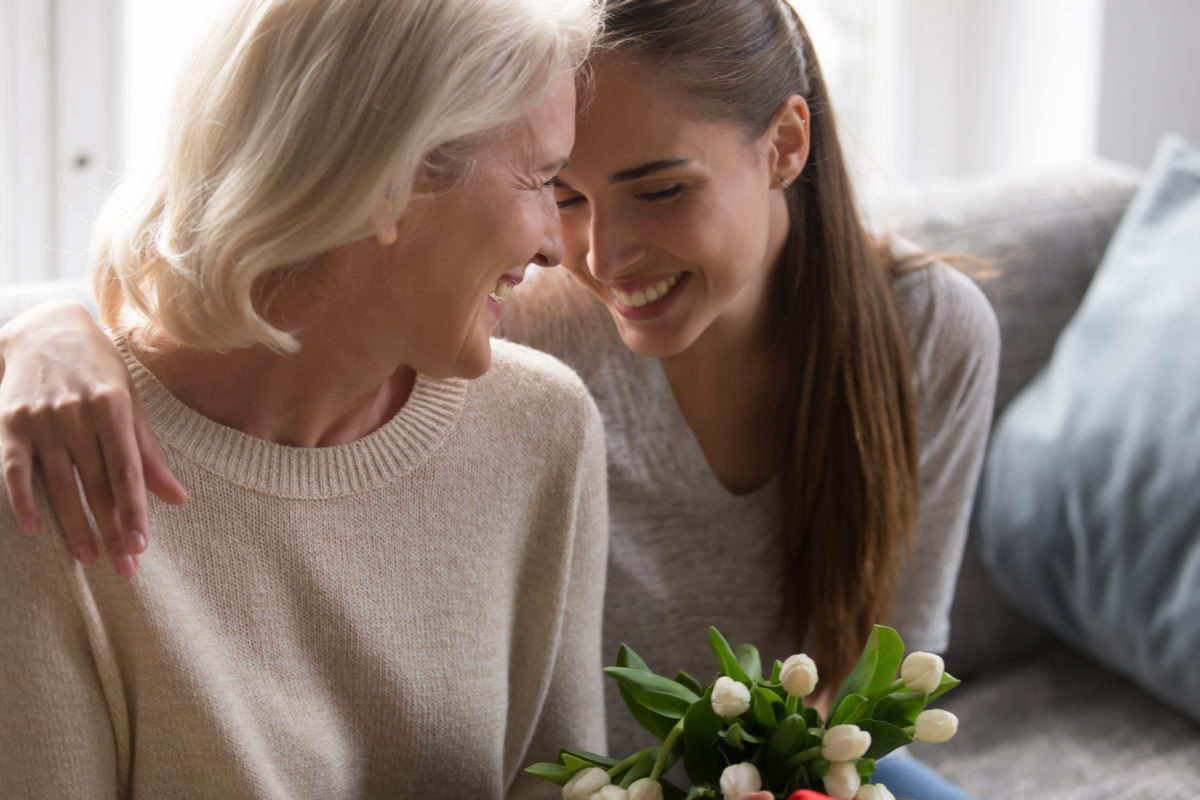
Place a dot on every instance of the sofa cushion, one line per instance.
(1089, 509)
(1043, 235)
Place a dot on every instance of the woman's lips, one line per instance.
(650, 300)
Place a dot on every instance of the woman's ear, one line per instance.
(788, 139)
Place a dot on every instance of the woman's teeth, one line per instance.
(501, 292)
(648, 295)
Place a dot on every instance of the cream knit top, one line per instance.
(414, 614)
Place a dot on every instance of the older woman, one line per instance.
(386, 582)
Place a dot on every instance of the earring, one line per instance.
(784, 183)
(385, 230)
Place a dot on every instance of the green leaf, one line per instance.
(782, 741)
(885, 737)
(732, 736)
(657, 724)
(626, 657)
(572, 762)
(582, 758)
(876, 667)
(865, 767)
(900, 708)
(555, 773)
(655, 693)
(947, 683)
(690, 682)
(776, 671)
(701, 791)
(812, 717)
(767, 706)
(724, 654)
(640, 769)
(738, 737)
(701, 727)
(848, 710)
(749, 660)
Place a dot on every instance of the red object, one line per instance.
(809, 794)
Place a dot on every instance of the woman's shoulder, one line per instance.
(949, 322)
(534, 385)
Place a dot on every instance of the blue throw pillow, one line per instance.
(1089, 506)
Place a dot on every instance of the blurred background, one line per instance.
(926, 90)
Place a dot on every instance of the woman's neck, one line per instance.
(729, 393)
(316, 398)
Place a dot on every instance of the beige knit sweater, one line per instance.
(415, 614)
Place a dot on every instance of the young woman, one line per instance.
(795, 408)
(381, 586)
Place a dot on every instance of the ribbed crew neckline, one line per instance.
(401, 444)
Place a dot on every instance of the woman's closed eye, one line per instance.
(672, 191)
(564, 200)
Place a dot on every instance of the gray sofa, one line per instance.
(1037, 719)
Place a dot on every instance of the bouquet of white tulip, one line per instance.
(745, 733)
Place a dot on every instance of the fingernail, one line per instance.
(30, 524)
(138, 541)
(126, 566)
(86, 554)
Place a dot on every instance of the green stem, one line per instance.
(667, 746)
(618, 768)
(793, 704)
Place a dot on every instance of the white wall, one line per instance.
(1150, 76)
(157, 36)
(989, 87)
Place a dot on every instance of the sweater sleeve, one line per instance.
(573, 713)
(956, 349)
(56, 735)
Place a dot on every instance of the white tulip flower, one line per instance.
(740, 779)
(730, 698)
(922, 672)
(936, 725)
(585, 783)
(799, 675)
(610, 792)
(842, 781)
(844, 743)
(645, 789)
(874, 791)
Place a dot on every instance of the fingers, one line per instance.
(17, 463)
(158, 476)
(121, 481)
(64, 497)
(67, 439)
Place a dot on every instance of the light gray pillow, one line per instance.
(1089, 506)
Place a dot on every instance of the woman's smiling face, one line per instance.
(671, 220)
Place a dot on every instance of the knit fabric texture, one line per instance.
(415, 613)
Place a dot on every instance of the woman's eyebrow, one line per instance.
(634, 173)
(647, 169)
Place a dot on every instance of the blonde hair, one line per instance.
(298, 122)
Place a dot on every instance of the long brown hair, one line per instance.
(850, 470)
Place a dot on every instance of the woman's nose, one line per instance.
(612, 249)
(550, 251)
